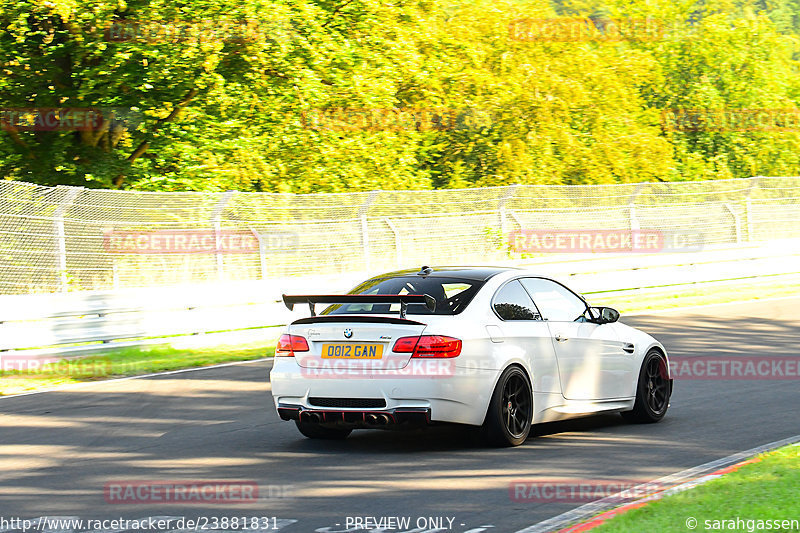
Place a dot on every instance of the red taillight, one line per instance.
(437, 346)
(405, 344)
(431, 346)
(288, 344)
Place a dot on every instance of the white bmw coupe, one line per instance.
(495, 348)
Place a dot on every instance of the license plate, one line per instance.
(352, 351)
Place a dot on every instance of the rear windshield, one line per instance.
(451, 294)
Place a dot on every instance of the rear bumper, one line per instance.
(412, 416)
(460, 397)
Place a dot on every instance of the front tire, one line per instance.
(508, 420)
(313, 430)
(653, 391)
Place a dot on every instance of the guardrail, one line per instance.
(61, 324)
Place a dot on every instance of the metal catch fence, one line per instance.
(59, 239)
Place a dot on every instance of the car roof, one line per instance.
(477, 273)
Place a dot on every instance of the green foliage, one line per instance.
(218, 95)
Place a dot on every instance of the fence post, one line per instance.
(61, 234)
(114, 274)
(398, 251)
(633, 220)
(262, 253)
(511, 191)
(215, 220)
(748, 216)
(736, 222)
(365, 240)
(362, 214)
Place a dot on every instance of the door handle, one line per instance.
(628, 347)
(559, 338)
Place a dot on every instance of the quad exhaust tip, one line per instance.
(377, 419)
(413, 415)
(373, 419)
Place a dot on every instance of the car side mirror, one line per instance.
(602, 315)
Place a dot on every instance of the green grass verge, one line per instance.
(764, 490)
(131, 362)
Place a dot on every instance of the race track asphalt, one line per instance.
(58, 450)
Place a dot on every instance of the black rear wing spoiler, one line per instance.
(402, 299)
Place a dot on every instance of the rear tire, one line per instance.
(508, 419)
(313, 430)
(653, 391)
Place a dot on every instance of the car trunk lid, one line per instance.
(354, 343)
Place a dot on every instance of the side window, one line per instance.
(556, 302)
(512, 303)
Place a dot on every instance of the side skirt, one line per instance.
(552, 407)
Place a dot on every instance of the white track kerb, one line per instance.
(678, 482)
